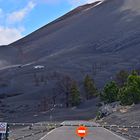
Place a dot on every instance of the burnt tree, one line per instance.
(64, 87)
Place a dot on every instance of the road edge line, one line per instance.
(46, 134)
(115, 134)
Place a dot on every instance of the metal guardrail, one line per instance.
(55, 125)
(61, 124)
(30, 126)
(127, 135)
(29, 135)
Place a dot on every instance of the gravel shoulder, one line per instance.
(127, 116)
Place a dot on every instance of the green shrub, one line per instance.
(130, 93)
(110, 92)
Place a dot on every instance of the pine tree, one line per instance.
(90, 87)
(74, 98)
(121, 78)
(110, 92)
(130, 93)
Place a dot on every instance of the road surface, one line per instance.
(68, 133)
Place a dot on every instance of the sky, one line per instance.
(19, 18)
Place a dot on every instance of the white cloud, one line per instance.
(72, 2)
(8, 35)
(18, 16)
(1, 13)
(90, 1)
(52, 1)
(76, 3)
(9, 31)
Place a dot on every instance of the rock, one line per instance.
(108, 109)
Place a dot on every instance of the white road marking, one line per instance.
(115, 134)
(81, 131)
(47, 134)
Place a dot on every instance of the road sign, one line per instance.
(81, 131)
(3, 127)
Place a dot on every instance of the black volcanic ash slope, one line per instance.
(103, 37)
(100, 40)
(108, 33)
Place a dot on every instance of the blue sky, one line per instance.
(21, 17)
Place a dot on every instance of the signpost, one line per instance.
(81, 132)
(3, 128)
(3, 131)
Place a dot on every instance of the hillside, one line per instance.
(128, 116)
(96, 39)
(107, 35)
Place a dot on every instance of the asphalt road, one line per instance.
(68, 133)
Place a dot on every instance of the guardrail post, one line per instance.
(7, 132)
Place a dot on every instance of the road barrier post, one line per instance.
(7, 132)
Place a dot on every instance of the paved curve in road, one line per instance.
(68, 133)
